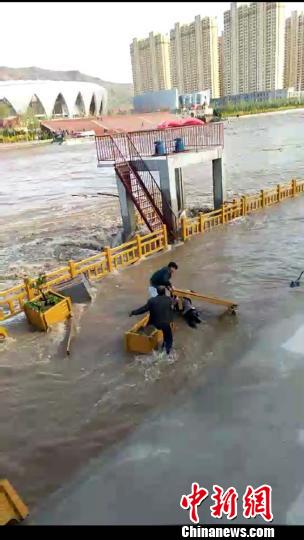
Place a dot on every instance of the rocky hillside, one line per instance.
(120, 94)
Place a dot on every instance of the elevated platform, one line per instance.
(149, 164)
(176, 160)
(195, 139)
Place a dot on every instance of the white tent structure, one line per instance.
(54, 98)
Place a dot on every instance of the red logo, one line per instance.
(258, 502)
(225, 502)
(193, 500)
(255, 502)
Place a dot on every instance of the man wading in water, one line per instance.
(160, 308)
(162, 278)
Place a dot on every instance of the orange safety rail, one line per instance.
(94, 267)
(152, 243)
(300, 186)
(253, 203)
(12, 300)
(126, 255)
(212, 219)
(240, 207)
(56, 276)
(271, 197)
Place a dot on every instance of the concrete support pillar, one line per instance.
(127, 209)
(219, 190)
(180, 192)
(167, 172)
(167, 183)
(170, 180)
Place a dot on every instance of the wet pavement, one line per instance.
(243, 425)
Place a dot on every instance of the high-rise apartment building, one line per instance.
(194, 58)
(221, 63)
(275, 45)
(294, 51)
(253, 47)
(150, 59)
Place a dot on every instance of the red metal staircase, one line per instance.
(142, 187)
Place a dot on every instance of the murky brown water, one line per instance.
(51, 209)
(57, 412)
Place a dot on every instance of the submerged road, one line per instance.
(236, 417)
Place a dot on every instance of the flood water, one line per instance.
(57, 412)
(52, 206)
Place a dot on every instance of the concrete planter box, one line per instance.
(54, 314)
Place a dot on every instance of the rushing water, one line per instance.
(51, 207)
(57, 412)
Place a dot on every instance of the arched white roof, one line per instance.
(20, 93)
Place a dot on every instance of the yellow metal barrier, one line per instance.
(12, 508)
(3, 333)
(229, 304)
(12, 300)
(94, 267)
(239, 208)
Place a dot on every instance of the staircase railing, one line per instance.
(138, 168)
(168, 216)
(122, 163)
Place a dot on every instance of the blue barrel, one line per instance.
(159, 148)
(179, 145)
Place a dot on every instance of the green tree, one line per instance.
(29, 120)
(4, 110)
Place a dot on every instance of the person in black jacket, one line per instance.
(160, 308)
(162, 277)
(190, 313)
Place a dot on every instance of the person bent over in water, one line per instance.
(160, 308)
(189, 312)
(162, 277)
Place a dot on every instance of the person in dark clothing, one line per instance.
(190, 313)
(161, 315)
(162, 278)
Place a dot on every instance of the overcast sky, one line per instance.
(91, 37)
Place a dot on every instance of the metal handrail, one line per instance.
(166, 207)
(125, 162)
(194, 137)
